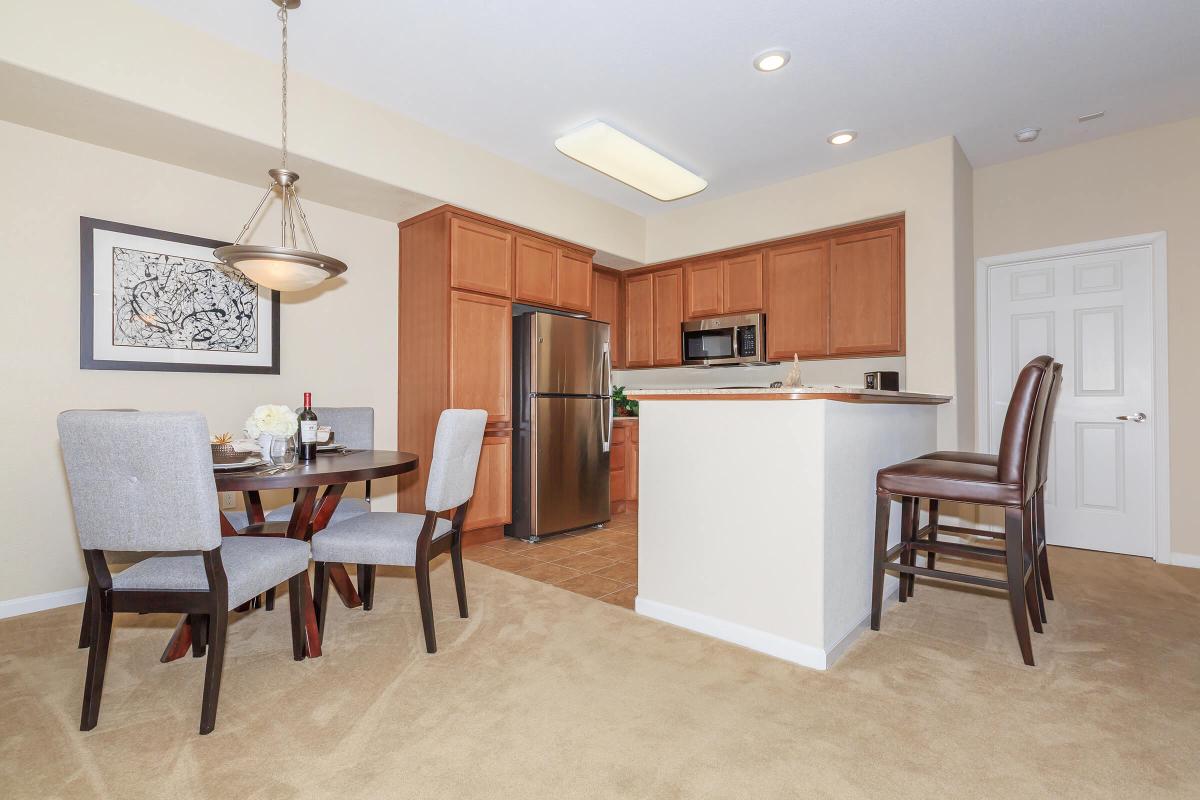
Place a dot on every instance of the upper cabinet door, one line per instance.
(537, 272)
(481, 354)
(798, 301)
(639, 321)
(704, 289)
(574, 281)
(742, 284)
(480, 257)
(866, 294)
(606, 298)
(668, 317)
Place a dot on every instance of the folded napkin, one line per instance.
(244, 446)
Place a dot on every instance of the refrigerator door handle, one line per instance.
(606, 442)
(606, 386)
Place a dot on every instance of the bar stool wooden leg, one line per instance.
(933, 532)
(910, 513)
(1014, 547)
(883, 515)
(1029, 570)
(1043, 558)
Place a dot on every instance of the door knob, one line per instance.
(1138, 417)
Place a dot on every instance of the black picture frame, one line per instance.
(87, 360)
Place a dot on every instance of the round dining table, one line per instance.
(311, 512)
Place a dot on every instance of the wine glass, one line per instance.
(283, 451)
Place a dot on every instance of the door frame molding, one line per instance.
(1162, 431)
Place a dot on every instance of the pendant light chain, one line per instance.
(283, 16)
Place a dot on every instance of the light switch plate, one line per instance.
(228, 499)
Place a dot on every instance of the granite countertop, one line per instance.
(842, 393)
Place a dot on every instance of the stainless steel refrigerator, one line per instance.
(562, 424)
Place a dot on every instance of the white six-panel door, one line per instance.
(1093, 313)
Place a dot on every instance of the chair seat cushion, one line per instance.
(252, 564)
(964, 456)
(949, 480)
(384, 537)
(347, 507)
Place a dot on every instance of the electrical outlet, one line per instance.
(228, 499)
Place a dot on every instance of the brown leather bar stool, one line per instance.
(1010, 484)
(1042, 565)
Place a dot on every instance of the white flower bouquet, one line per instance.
(272, 420)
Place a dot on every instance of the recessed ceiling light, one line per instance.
(842, 137)
(1027, 134)
(607, 150)
(771, 60)
(1090, 117)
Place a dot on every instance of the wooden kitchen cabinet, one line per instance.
(705, 286)
(481, 257)
(537, 272)
(574, 280)
(668, 317)
(742, 284)
(481, 354)
(491, 505)
(622, 485)
(639, 321)
(798, 301)
(606, 307)
(866, 294)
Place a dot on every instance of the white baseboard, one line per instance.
(772, 644)
(1185, 560)
(41, 602)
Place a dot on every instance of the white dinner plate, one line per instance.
(250, 460)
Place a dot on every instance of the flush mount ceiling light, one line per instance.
(771, 60)
(607, 150)
(1027, 134)
(842, 137)
(287, 268)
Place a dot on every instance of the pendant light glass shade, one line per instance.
(287, 268)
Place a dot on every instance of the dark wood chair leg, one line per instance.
(426, 600)
(321, 594)
(296, 604)
(883, 513)
(1014, 547)
(218, 622)
(101, 634)
(460, 580)
(1032, 586)
(1043, 557)
(199, 623)
(906, 555)
(85, 625)
(270, 604)
(930, 557)
(366, 585)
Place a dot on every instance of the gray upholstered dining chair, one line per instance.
(143, 481)
(412, 540)
(353, 427)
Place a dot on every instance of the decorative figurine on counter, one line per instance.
(793, 377)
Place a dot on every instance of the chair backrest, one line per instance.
(140, 480)
(455, 460)
(1021, 436)
(353, 426)
(1047, 424)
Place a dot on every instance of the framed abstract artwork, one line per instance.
(155, 300)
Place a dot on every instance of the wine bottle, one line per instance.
(308, 430)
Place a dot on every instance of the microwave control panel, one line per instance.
(747, 340)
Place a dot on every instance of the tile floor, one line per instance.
(597, 562)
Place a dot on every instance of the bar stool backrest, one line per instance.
(1047, 424)
(1020, 439)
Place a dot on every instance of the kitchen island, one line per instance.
(756, 510)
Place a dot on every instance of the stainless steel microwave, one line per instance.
(718, 341)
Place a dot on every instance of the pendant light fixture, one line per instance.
(286, 268)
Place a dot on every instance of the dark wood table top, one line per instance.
(332, 468)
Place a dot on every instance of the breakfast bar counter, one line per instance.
(756, 519)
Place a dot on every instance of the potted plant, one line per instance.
(625, 407)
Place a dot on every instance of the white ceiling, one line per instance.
(511, 76)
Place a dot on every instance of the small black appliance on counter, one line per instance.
(882, 380)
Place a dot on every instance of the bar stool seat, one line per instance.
(949, 480)
(964, 457)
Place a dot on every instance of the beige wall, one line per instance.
(338, 341)
(922, 182)
(1140, 182)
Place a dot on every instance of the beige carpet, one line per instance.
(544, 693)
